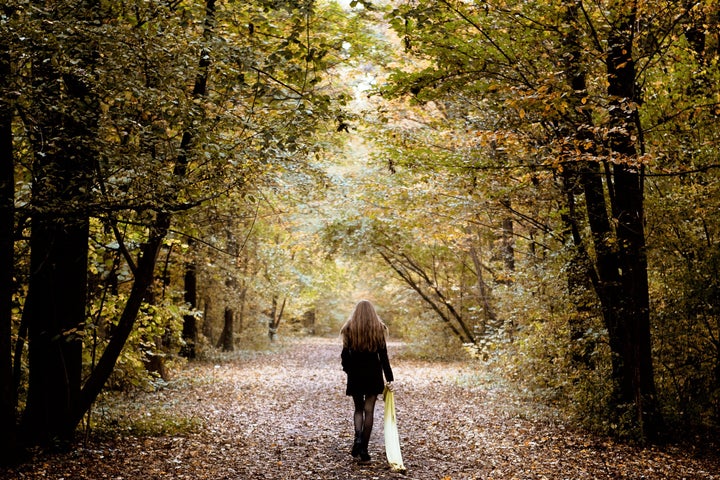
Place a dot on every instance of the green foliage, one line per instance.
(133, 419)
(428, 339)
(686, 315)
(173, 106)
(157, 335)
(493, 103)
(571, 370)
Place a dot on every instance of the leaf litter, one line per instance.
(283, 415)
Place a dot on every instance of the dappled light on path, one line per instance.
(284, 415)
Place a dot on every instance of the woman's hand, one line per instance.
(389, 386)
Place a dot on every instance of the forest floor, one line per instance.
(284, 415)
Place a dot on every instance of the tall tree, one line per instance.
(63, 142)
(628, 319)
(190, 330)
(149, 251)
(7, 260)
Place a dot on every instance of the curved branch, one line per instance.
(412, 284)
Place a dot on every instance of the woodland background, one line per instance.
(533, 185)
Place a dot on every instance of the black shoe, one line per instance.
(357, 446)
(364, 455)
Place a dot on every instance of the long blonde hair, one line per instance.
(364, 331)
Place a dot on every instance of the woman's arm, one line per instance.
(385, 362)
(345, 359)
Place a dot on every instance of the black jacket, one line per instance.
(365, 371)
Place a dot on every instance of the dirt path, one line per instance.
(284, 416)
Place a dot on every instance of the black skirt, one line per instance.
(365, 371)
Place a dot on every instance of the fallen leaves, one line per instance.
(284, 415)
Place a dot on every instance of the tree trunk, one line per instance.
(618, 271)
(275, 318)
(56, 314)
(227, 338)
(207, 327)
(508, 239)
(581, 276)
(189, 331)
(489, 315)
(57, 291)
(144, 273)
(635, 375)
(7, 260)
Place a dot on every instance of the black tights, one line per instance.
(363, 418)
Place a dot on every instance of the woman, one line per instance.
(364, 359)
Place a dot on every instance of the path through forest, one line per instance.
(283, 415)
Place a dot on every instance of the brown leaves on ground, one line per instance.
(285, 416)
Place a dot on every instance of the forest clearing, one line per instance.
(282, 416)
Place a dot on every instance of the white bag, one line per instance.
(392, 439)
